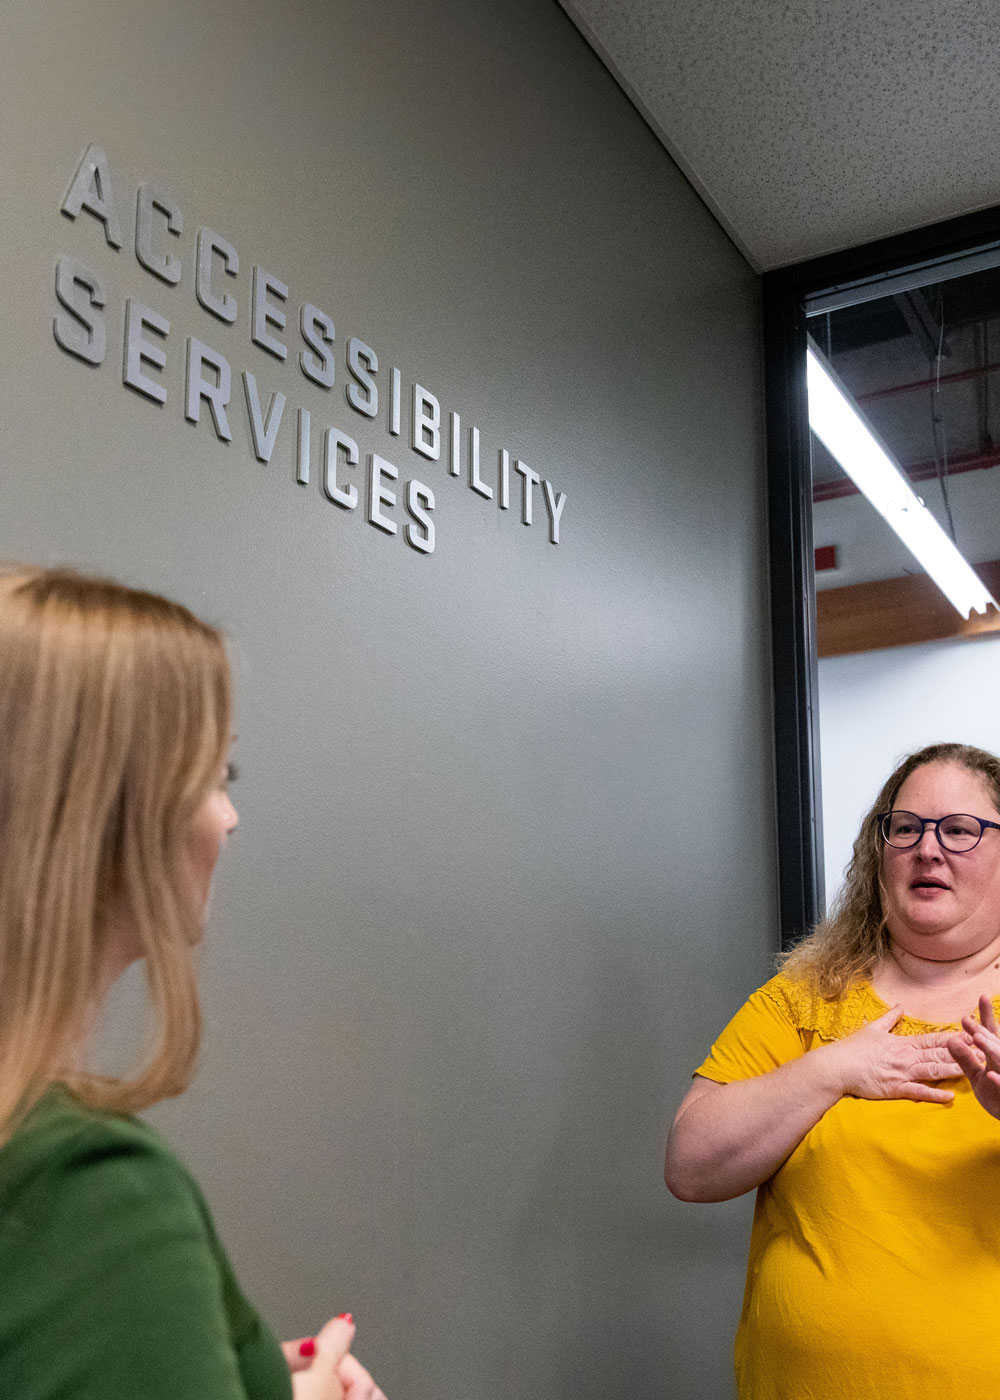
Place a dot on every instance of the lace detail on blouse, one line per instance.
(832, 1020)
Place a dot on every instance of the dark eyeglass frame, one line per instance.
(935, 822)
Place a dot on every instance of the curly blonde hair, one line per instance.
(850, 942)
(114, 725)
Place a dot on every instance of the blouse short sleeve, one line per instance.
(762, 1035)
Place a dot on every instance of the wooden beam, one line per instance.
(897, 612)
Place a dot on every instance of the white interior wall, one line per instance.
(878, 705)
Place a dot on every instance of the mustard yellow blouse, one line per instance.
(874, 1269)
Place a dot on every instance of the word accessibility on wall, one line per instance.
(210, 266)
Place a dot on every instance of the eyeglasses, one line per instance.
(959, 832)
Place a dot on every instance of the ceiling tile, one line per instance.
(816, 126)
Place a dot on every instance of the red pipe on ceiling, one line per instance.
(919, 471)
(977, 373)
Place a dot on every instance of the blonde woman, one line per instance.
(114, 807)
(859, 1092)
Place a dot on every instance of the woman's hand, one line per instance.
(728, 1138)
(328, 1371)
(358, 1384)
(977, 1054)
(872, 1063)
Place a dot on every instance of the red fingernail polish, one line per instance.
(345, 1317)
(308, 1347)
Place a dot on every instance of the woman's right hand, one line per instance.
(728, 1138)
(872, 1063)
(333, 1374)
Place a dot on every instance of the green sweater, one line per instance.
(113, 1285)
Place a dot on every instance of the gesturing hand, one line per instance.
(358, 1384)
(977, 1053)
(874, 1064)
(328, 1371)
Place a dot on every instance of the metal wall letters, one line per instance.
(79, 329)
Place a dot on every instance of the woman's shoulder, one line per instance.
(805, 1006)
(63, 1139)
(105, 1238)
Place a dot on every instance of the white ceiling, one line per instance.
(814, 125)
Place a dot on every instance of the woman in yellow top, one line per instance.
(859, 1092)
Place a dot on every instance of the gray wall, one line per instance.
(506, 854)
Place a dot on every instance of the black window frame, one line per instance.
(793, 598)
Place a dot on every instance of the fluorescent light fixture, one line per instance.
(839, 424)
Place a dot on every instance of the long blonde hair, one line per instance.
(850, 942)
(115, 722)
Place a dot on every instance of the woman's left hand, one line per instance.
(977, 1054)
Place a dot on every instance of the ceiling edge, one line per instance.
(672, 151)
